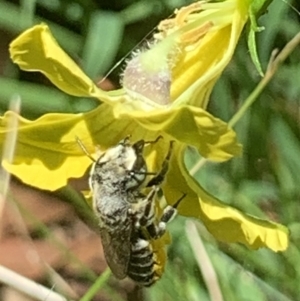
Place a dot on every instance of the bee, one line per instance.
(127, 217)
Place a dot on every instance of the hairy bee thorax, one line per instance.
(121, 168)
(127, 217)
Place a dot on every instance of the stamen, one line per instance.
(195, 21)
(183, 13)
(195, 35)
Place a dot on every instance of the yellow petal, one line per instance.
(191, 125)
(199, 68)
(224, 222)
(47, 154)
(36, 50)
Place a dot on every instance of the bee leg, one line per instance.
(148, 214)
(169, 213)
(158, 179)
(154, 141)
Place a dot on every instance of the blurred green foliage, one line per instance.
(264, 182)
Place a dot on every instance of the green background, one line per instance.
(264, 182)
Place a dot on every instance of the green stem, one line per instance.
(99, 283)
(274, 64)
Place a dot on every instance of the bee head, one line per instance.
(121, 165)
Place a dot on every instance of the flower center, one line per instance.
(147, 77)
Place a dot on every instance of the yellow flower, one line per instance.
(165, 92)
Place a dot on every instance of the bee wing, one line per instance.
(117, 248)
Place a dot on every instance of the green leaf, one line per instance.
(104, 36)
(27, 12)
(253, 50)
(257, 8)
(32, 101)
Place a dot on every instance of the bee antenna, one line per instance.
(84, 148)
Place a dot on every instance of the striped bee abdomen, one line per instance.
(142, 263)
